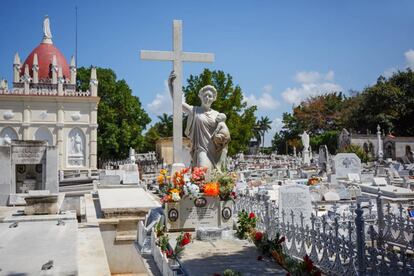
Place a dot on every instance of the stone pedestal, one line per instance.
(306, 157)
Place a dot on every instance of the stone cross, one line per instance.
(177, 56)
(24, 188)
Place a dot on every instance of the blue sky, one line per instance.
(279, 52)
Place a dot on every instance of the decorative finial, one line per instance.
(47, 35)
(379, 128)
(72, 62)
(35, 60)
(16, 59)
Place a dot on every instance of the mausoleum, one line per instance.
(44, 104)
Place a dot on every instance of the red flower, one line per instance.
(251, 215)
(308, 263)
(233, 194)
(169, 253)
(186, 239)
(260, 257)
(258, 236)
(282, 239)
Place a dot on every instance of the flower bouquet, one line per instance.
(193, 184)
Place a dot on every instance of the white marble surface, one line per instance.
(126, 198)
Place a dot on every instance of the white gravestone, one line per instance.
(331, 196)
(354, 177)
(295, 198)
(341, 190)
(346, 163)
(177, 56)
(379, 181)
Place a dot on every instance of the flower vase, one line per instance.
(173, 263)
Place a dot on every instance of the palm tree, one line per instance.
(264, 125)
(165, 125)
(257, 133)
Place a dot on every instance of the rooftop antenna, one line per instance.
(76, 36)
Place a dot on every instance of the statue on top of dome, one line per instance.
(47, 34)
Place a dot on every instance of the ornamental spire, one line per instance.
(47, 35)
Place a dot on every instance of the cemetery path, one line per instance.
(212, 257)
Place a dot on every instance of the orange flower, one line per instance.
(174, 191)
(160, 179)
(184, 171)
(178, 179)
(211, 189)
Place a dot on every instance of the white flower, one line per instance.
(191, 190)
(175, 197)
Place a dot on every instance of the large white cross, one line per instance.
(177, 56)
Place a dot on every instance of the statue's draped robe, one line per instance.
(200, 128)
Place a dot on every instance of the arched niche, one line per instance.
(44, 134)
(9, 134)
(76, 148)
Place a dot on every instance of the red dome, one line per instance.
(45, 54)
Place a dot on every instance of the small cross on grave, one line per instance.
(24, 189)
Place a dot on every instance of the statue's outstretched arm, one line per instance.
(186, 107)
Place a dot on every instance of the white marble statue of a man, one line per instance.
(305, 140)
(76, 142)
(207, 145)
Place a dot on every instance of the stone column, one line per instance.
(93, 84)
(35, 69)
(60, 82)
(72, 70)
(16, 68)
(54, 70)
(93, 136)
(93, 147)
(26, 80)
(26, 121)
(59, 140)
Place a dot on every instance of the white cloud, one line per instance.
(330, 76)
(162, 102)
(263, 102)
(267, 88)
(389, 72)
(409, 58)
(311, 84)
(276, 126)
(313, 76)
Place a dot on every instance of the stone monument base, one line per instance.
(205, 212)
(214, 233)
(43, 204)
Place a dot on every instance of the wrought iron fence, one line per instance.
(361, 243)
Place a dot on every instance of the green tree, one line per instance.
(150, 139)
(121, 118)
(264, 124)
(165, 125)
(328, 138)
(161, 129)
(241, 119)
(389, 103)
(359, 151)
